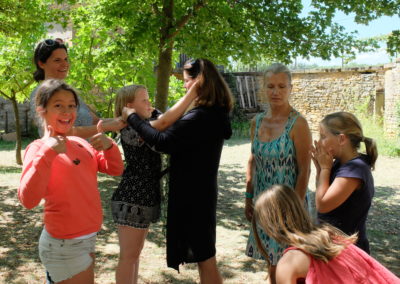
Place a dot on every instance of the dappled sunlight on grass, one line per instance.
(19, 261)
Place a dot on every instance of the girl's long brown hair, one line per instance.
(281, 214)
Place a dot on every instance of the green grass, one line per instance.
(10, 145)
(387, 146)
(240, 129)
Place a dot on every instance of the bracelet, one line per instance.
(249, 195)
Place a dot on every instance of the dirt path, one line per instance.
(20, 228)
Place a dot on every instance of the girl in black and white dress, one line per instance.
(136, 202)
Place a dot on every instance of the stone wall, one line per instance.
(319, 92)
(7, 118)
(392, 99)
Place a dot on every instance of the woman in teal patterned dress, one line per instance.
(280, 154)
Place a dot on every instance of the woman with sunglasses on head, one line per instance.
(51, 61)
(195, 143)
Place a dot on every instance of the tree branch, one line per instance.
(5, 95)
(185, 19)
(156, 10)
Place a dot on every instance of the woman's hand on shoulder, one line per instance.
(126, 111)
(56, 142)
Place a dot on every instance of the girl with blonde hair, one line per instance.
(136, 202)
(316, 253)
(195, 143)
(344, 182)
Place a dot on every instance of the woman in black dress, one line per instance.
(195, 143)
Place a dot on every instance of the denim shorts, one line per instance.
(64, 258)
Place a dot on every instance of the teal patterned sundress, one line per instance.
(275, 164)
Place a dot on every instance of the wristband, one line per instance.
(249, 195)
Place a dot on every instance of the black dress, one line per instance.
(136, 201)
(195, 144)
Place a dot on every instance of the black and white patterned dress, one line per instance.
(136, 201)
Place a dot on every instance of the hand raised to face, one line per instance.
(321, 157)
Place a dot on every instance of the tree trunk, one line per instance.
(18, 143)
(163, 74)
(165, 55)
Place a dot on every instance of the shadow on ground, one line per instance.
(383, 228)
(20, 231)
(20, 228)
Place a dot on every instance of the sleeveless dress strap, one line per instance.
(290, 248)
(294, 114)
(259, 118)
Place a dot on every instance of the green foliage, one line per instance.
(20, 17)
(176, 90)
(240, 129)
(387, 146)
(118, 46)
(103, 59)
(372, 127)
(393, 43)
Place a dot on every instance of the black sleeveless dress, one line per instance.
(136, 201)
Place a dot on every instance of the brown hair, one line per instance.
(42, 52)
(48, 88)
(124, 96)
(281, 214)
(213, 90)
(347, 123)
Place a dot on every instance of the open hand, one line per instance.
(56, 142)
(321, 157)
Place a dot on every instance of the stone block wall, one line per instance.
(392, 99)
(7, 118)
(319, 92)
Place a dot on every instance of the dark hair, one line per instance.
(48, 88)
(42, 52)
(213, 90)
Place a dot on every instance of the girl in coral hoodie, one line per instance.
(62, 170)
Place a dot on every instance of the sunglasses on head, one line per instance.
(52, 42)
